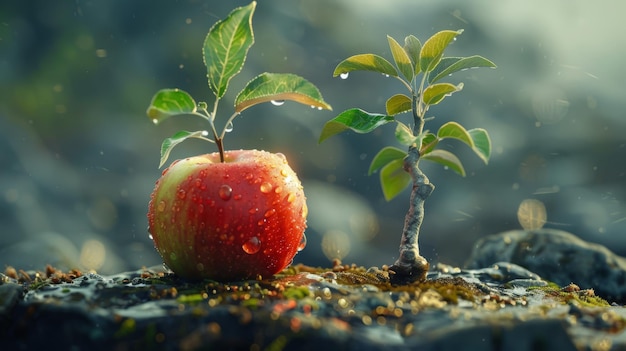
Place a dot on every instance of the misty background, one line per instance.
(79, 156)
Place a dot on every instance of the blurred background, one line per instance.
(79, 157)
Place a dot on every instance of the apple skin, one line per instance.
(236, 220)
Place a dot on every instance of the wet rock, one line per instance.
(306, 308)
(556, 256)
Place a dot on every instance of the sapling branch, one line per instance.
(410, 265)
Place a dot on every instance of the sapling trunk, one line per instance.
(410, 265)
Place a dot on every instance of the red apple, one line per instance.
(234, 220)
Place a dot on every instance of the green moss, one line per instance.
(297, 292)
(585, 298)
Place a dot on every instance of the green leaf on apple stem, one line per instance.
(482, 143)
(394, 179)
(433, 49)
(401, 58)
(433, 94)
(449, 65)
(398, 103)
(169, 143)
(447, 159)
(384, 156)
(279, 87)
(170, 102)
(413, 46)
(365, 62)
(226, 47)
(355, 119)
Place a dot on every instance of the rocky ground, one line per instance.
(539, 290)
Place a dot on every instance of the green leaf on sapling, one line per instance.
(394, 179)
(279, 87)
(449, 65)
(226, 47)
(170, 102)
(398, 103)
(169, 143)
(384, 156)
(429, 141)
(482, 143)
(404, 134)
(455, 131)
(433, 94)
(433, 49)
(412, 46)
(447, 159)
(365, 62)
(355, 119)
(401, 58)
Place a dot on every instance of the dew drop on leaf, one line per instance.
(302, 243)
(266, 187)
(155, 121)
(225, 192)
(252, 246)
(278, 102)
(229, 127)
(344, 75)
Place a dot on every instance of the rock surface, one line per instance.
(499, 307)
(556, 256)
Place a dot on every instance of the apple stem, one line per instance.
(411, 266)
(220, 147)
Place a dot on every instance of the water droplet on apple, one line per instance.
(161, 206)
(302, 243)
(249, 176)
(253, 210)
(225, 192)
(269, 213)
(229, 127)
(344, 75)
(150, 236)
(278, 102)
(200, 208)
(291, 197)
(261, 222)
(305, 211)
(181, 194)
(266, 187)
(252, 246)
(198, 182)
(278, 190)
(237, 197)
